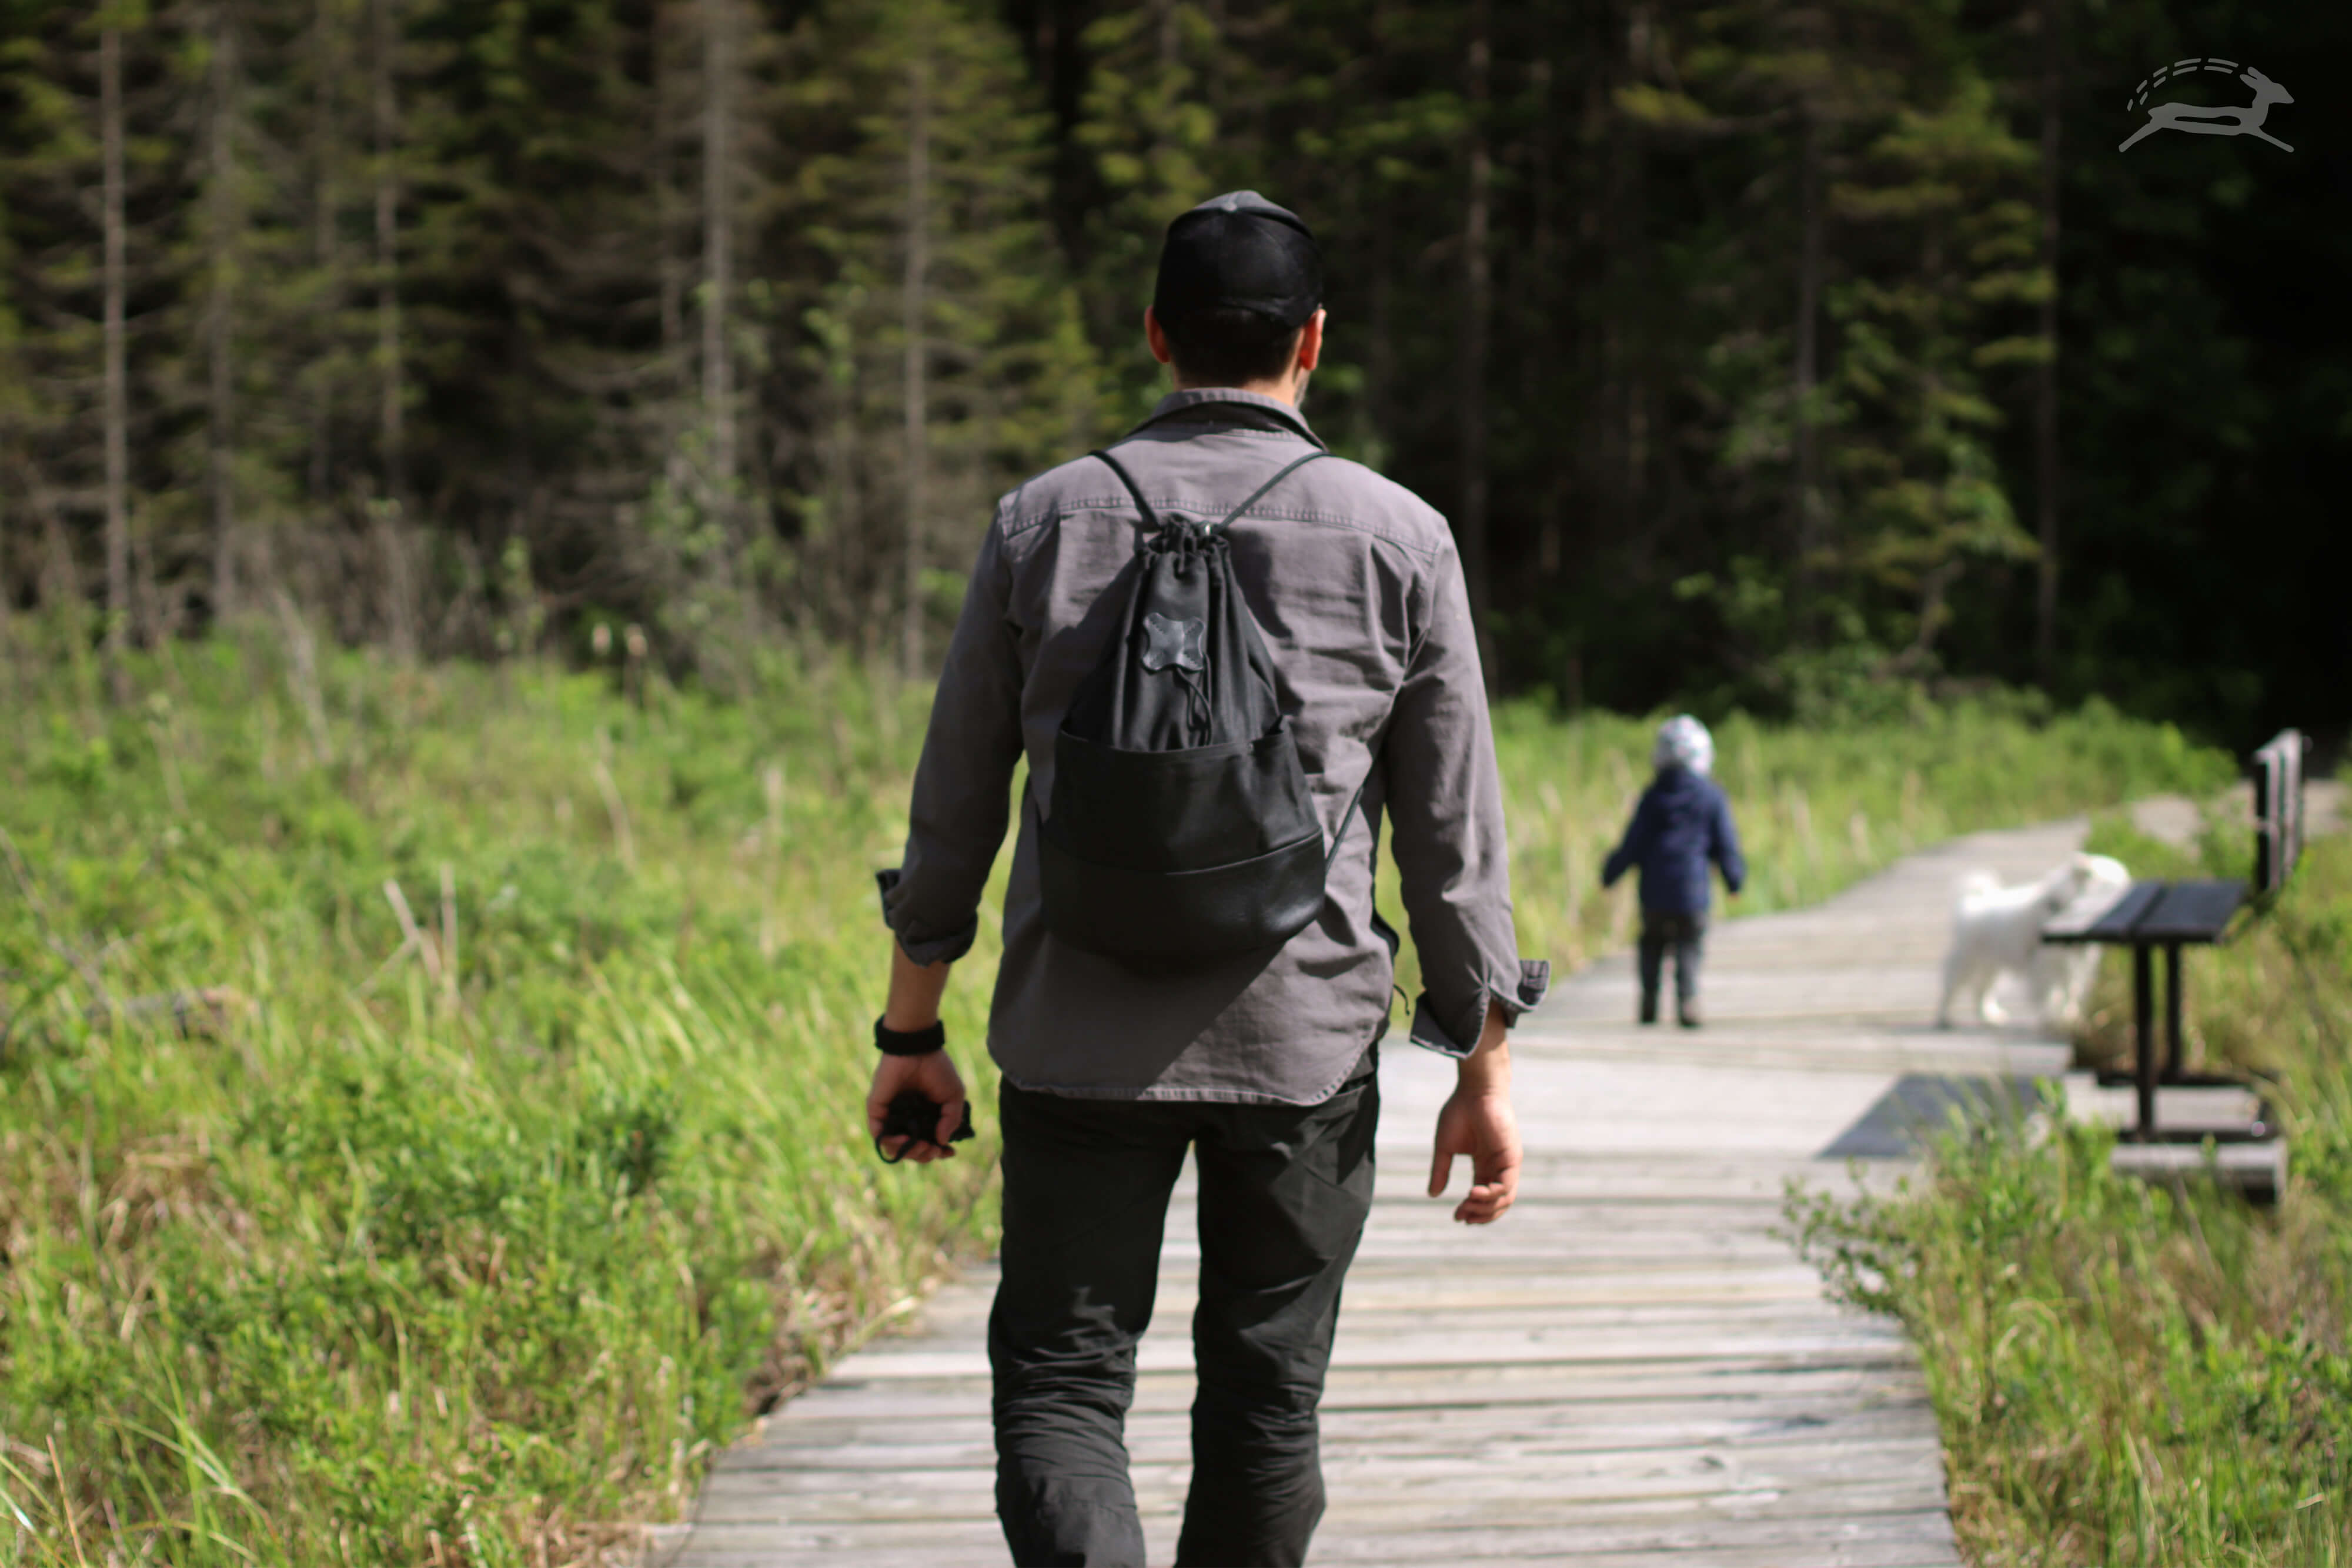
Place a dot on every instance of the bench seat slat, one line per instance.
(2154, 913)
(2192, 912)
(2116, 923)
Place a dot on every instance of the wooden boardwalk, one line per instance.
(1629, 1369)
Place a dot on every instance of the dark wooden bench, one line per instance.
(2165, 917)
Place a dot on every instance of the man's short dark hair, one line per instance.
(1226, 347)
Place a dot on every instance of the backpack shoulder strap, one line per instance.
(1258, 493)
(1150, 517)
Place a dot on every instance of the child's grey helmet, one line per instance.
(1684, 742)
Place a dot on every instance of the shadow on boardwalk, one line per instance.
(1632, 1368)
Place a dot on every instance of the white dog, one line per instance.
(1996, 931)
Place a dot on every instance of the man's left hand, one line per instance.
(1477, 1121)
(1482, 1126)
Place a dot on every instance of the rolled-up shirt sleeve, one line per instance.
(963, 784)
(1445, 797)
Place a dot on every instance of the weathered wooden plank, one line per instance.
(2256, 1168)
(956, 1437)
(1405, 1454)
(1553, 1314)
(1762, 1523)
(1898, 1541)
(1440, 1349)
(1887, 1376)
(1530, 1464)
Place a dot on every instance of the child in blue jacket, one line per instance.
(1682, 822)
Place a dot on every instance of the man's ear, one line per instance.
(1157, 337)
(1310, 343)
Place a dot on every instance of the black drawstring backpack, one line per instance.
(1182, 829)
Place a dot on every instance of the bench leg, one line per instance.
(2174, 1066)
(2144, 1038)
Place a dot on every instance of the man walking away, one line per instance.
(1682, 822)
(1260, 1062)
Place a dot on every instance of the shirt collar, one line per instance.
(1259, 407)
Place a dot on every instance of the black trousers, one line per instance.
(1683, 934)
(1285, 1191)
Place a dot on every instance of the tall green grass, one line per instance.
(468, 1248)
(340, 1235)
(2137, 1374)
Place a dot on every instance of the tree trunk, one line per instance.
(393, 432)
(1380, 402)
(915, 302)
(1808, 498)
(718, 244)
(324, 67)
(116, 390)
(400, 598)
(1477, 310)
(2045, 375)
(1628, 253)
(1600, 263)
(221, 240)
(1535, 303)
(678, 365)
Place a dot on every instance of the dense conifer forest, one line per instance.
(1798, 354)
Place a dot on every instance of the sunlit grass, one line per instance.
(428, 1103)
(2131, 1374)
(466, 1245)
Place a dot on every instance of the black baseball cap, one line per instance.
(1240, 251)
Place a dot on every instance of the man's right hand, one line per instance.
(936, 1076)
(914, 1004)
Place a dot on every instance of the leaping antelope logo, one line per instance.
(2232, 120)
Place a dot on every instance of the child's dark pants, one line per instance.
(1685, 937)
(1284, 1190)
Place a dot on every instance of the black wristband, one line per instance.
(909, 1042)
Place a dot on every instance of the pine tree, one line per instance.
(943, 360)
(90, 210)
(1154, 146)
(1898, 207)
(1942, 194)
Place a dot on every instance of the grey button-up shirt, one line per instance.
(1355, 582)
